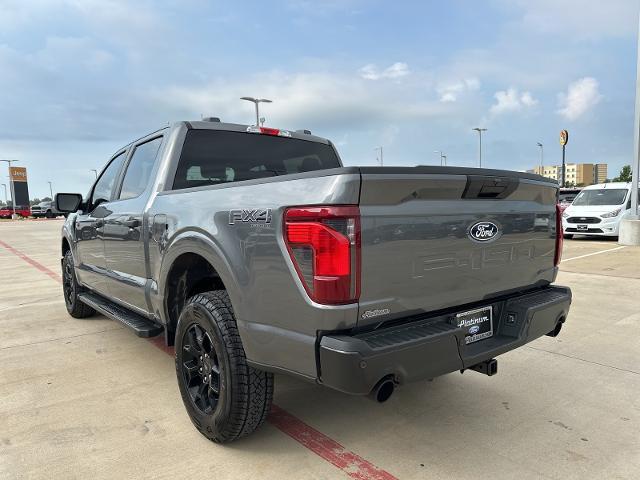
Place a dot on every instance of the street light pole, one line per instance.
(443, 157)
(256, 101)
(480, 130)
(5, 193)
(541, 157)
(381, 159)
(95, 171)
(13, 193)
(50, 190)
(635, 169)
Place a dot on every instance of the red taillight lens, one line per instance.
(324, 244)
(559, 236)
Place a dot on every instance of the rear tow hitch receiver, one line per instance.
(488, 367)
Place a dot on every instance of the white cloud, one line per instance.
(397, 70)
(449, 92)
(576, 18)
(314, 100)
(511, 100)
(582, 95)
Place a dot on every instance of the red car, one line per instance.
(6, 212)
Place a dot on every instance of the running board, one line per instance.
(143, 327)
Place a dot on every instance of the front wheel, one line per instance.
(71, 288)
(225, 398)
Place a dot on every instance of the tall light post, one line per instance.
(50, 190)
(5, 193)
(95, 171)
(541, 157)
(635, 169)
(256, 101)
(480, 130)
(380, 157)
(443, 157)
(630, 226)
(13, 193)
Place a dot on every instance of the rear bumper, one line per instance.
(429, 347)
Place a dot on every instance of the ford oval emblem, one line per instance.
(473, 330)
(484, 231)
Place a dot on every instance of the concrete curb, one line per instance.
(629, 232)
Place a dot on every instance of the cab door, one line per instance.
(126, 229)
(89, 226)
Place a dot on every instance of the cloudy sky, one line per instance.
(80, 78)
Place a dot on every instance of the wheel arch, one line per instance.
(192, 264)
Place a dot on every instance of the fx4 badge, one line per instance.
(257, 217)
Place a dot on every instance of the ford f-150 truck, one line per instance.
(256, 252)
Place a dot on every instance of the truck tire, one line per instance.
(225, 398)
(71, 288)
(49, 214)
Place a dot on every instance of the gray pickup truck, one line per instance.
(256, 252)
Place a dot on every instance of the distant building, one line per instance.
(575, 173)
(601, 172)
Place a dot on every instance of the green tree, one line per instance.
(625, 174)
(35, 201)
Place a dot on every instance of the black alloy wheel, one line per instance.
(201, 368)
(70, 290)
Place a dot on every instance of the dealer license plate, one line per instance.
(583, 228)
(477, 323)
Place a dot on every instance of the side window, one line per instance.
(104, 186)
(139, 169)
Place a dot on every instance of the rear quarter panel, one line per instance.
(276, 319)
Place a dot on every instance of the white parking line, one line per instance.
(593, 253)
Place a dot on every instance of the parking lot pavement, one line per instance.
(88, 399)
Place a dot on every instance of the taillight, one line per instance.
(559, 236)
(324, 245)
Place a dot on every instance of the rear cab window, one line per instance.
(211, 157)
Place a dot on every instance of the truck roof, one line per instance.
(241, 128)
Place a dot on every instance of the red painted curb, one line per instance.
(325, 447)
(32, 262)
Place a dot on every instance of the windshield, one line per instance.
(603, 196)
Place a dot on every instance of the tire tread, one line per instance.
(252, 389)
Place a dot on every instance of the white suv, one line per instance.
(597, 210)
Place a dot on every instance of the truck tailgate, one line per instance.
(434, 238)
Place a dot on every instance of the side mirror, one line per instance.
(68, 202)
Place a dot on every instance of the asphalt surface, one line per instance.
(88, 399)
